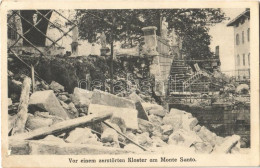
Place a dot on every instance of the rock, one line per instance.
(53, 138)
(165, 138)
(55, 119)
(104, 98)
(229, 143)
(184, 137)
(158, 112)
(35, 122)
(189, 123)
(10, 102)
(167, 129)
(142, 114)
(82, 114)
(173, 119)
(207, 135)
(135, 98)
(118, 122)
(64, 105)
(154, 109)
(203, 147)
(81, 97)
(56, 87)
(109, 135)
(158, 142)
(83, 136)
(155, 120)
(132, 147)
(63, 98)
(144, 139)
(130, 135)
(242, 89)
(46, 101)
(197, 128)
(145, 126)
(128, 115)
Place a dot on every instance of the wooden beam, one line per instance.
(61, 127)
(19, 124)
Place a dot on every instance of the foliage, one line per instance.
(191, 25)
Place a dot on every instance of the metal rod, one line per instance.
(52, 23)
(26, 40)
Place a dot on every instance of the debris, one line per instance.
(144, 139)
(203, 147)
(63, 98)
(174, 119)
(158, 142)
(19, 124)
(242, 89)
(62, 126)
(10, 102)
(228, 144)
(145, 126)
(81, 97)
(141, 112)
(46, 101)
(135, 98)
(126, 137)
(128, 115)
(155, 120)
(109, 135)
(184, 137)
(56, 87)
(167, 129)
(104, 98)
(83, 136)
(37, 122)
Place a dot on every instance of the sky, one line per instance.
(224, 37)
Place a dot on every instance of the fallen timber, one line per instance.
(61, 127)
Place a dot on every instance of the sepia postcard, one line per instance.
(129, 83)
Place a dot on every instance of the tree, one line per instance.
(191, 25)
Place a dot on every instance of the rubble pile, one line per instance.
(98, 122)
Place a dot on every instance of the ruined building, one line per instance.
(241, 26)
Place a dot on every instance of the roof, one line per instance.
(246, 13)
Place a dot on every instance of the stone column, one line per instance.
(150, 40)
(74, 44)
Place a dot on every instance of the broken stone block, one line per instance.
(158, 112)
(155, 120)
(109, 135)
(207, 135)
(46, 115)
(35, 122)
(104, 98)
(144, 139)
(128, 115)
(203, 147)
(141, 112)
(83, 136)
(167, 129)
(173, 119)
(64, 105)
(10, 102)
(197, 128)
(118, 122)
(228, 144)
(130, 135)
(158, 142)
(46, 101)
(81, 97)
(53, 138)
(184, 137)
(189, 123)
(135, 98)
(63, 98)
(145, 126)
(56, 87)
(165, 138)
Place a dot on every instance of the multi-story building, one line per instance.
(241, 26)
